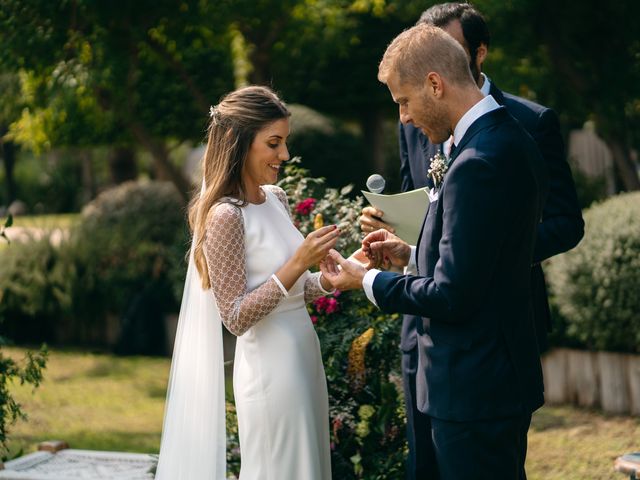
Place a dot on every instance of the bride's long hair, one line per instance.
(233, 126)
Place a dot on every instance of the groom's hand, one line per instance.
(384, 249)
(371, 220)
(343, 274)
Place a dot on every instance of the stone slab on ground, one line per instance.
(71, 464)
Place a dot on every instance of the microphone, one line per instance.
(375, 183)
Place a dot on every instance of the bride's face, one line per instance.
(266, 155)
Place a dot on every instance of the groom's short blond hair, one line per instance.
(423, 49)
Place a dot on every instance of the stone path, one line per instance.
(68, 464)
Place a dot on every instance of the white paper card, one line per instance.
(403, 211)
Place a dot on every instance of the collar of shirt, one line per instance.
(486, 105)
(486, 87)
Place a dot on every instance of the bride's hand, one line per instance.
(343, 274)
(315, 247)
(360, 257)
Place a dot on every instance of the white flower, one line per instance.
(438, 168)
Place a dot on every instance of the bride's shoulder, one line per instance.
(225, 210)
(278, 192)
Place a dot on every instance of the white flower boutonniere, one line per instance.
(438, 168)
(439, 165)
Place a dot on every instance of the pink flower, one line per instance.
(314, 319)
(337, 293)
(305, 206)
(320, 304)
(326, 305)
(332, 305)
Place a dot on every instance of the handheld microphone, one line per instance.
(375, 183)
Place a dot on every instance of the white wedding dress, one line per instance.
(278, 380)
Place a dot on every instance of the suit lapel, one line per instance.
(481, 123)
(496, 93)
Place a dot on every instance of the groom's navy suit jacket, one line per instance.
(478, 358)
(562, 227)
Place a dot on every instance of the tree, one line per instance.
(328, 57)
(9, 111)
(581, 58)
(152, 68)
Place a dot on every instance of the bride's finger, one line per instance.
(324, 231)
(329, 239)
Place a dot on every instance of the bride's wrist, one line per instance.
(298, 265)
(325, 285)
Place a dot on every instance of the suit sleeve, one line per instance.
(562, 226)
(475, 199)
(405, 168)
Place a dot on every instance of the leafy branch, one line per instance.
(8, 222)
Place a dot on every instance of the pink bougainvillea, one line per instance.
(305, 206)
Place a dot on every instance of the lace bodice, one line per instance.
(225, 252)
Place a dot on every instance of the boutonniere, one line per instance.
(438, 168)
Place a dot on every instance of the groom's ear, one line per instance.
(433, 84)
(481, 55)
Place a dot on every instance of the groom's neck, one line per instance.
(462, 99)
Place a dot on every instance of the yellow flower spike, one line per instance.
(356, 369)
(318, 221)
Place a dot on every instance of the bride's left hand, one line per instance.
(342, 273)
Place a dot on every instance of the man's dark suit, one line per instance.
(561, 229)
(478, 358)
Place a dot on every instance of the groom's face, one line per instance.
(419, 107)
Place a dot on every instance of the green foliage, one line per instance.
(50, 184)
(330, 149)
(589, 189)
(33, 290)
(359, 348)
(30, 371)
(595, 286)
(121, 260)
(125, 253)
(97, 75)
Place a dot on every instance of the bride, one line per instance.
(248, 269)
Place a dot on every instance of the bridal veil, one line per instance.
(193, 445)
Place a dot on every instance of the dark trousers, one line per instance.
(444, 450)
(421, 462)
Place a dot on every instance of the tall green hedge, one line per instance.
(596, 286)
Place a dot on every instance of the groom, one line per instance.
(479, 376)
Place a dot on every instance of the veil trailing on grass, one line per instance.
(193, 445)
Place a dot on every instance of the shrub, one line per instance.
(33, 290)
(126, 251)
(596, 286)
(111, 278)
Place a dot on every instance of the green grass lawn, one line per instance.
(97, 401)
(47, 222)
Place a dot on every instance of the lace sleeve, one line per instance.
(282, 196)
(225, 255)
(313, 288)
